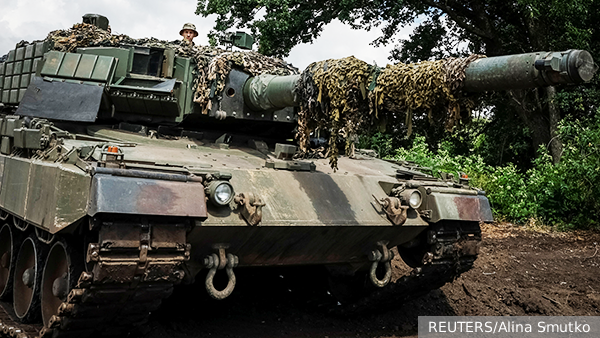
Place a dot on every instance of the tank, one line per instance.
(115, 187)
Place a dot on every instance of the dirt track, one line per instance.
(518, 272)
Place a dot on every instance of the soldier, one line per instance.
(189, 33)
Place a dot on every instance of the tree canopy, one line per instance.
(490, 26)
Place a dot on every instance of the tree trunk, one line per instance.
(541, 116)
(555, 145)
(531, 112)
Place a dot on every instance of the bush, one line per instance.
(379, 142)
(569, 192)
(566, 194)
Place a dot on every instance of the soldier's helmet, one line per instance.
(189, 26)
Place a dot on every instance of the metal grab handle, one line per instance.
(231, 262)
(386, 279)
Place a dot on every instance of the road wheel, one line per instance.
(61, 271)
(27, 279)
(9, 242)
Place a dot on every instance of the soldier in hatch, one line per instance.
(189, 33)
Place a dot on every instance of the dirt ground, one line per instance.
(518, 272)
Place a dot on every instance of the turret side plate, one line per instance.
(59, 100)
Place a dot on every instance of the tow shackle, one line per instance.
(216, 262)
(381, 255)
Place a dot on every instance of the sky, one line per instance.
(32, 20)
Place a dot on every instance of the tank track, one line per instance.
(451, 249)
(101, 305)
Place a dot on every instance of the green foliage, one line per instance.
(428, 41)
(380, 142)
(573, 18)
(443, 159)
(497, 141)
(566, 194)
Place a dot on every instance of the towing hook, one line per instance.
(250, 207)
(396, 212)
(216, 262)
(381, 255)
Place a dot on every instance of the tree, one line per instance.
(491, 27)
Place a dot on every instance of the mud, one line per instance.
(518, 272)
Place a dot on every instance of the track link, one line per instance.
(104, 306)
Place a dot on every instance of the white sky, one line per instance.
(32, 20)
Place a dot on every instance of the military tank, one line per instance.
(115, 187)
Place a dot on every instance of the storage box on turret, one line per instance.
(20, 54)
(11, 56)
(29, 50)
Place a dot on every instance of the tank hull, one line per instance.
(308, 217)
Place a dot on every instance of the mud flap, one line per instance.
(142, 196)
(459, 207)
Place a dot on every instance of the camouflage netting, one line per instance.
(213, 64)
(344, 96)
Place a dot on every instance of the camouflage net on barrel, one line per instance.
(213, 64)
(342, 95)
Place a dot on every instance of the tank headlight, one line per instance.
(220, 192)
(415, 199)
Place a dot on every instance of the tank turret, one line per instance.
(155, 85)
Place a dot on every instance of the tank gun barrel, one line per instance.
(508, 72)
(266, 92)
(531, 70)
